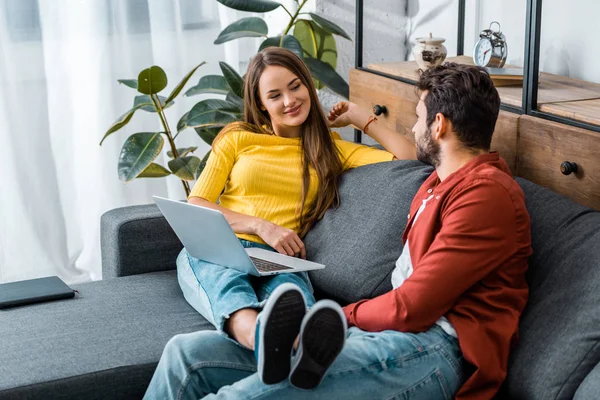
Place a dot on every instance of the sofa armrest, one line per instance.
(136, 240)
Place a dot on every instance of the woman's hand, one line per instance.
(284, 240)
(340, 115)
(347, 113)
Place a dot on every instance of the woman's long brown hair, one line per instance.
(318, 148)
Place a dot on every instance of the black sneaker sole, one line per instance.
(322, 339)
(280, 331)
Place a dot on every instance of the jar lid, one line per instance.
(430, 40)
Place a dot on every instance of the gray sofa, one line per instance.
(105, 343)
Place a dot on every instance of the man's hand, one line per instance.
(284, 240)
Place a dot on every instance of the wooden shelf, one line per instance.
(552, 88)
(587, 111)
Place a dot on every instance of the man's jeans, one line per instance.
(381, 365)
(216, 292)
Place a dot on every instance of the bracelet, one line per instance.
(371, 119)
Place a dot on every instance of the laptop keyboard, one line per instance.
(267, 266)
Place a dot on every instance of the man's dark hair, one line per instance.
(466, 95)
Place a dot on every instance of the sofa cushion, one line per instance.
(560, 327)
(360, 241)
(103, 344)
(590, 387)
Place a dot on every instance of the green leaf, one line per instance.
(316, 43)
(145, 100)
(152, 80)
(209, 84)
(210, 105)
(123, 120)
(245, 27)
(181, 84)
(181, 125)
(288, 42)
(233, 99)
(202, 164)
(185, 167)
(138, 152)
(329, 26)
(154, 171)
(182, 151)
(234, 80)
(328, 76)
(212, 113)
(208, 134)
(208, 113)
(257, 6)
(132, 83)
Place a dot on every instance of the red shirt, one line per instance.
(469, 252)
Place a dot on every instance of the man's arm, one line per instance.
(477, 236)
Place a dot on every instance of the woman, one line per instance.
(275, 175)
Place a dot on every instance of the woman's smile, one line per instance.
(294, 111)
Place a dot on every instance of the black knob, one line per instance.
(568, 167)
(378, 110)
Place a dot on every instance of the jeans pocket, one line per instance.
(433, 386)
(455, 362)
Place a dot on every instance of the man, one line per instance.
(448, 325)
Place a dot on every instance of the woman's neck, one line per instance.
(287, 131)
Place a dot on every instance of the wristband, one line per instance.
(371, 119)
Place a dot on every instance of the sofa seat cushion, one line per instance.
(360, 241)
(103, 344)
(560, 327)
(590, 387)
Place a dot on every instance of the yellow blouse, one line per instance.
(261, 175)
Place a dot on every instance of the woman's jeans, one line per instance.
(372, 365)
(216, 292)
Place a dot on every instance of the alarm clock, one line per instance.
(491, 48)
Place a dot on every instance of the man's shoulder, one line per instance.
(494, 181)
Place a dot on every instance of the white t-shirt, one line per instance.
(404, 269)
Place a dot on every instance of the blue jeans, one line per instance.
(216, 292)
(380, 365)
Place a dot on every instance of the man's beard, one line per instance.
(428, 151)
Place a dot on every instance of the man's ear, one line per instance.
(442, 126)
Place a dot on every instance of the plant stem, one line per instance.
(287, 11)
(163, 120)
(289, 26)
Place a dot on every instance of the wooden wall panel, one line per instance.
(544, 145)
(505, 137)
(367, 90)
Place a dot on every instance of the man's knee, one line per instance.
(175, 345)
(192, 345)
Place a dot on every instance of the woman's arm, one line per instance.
(284, 240)
(346, 113)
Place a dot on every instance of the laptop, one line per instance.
(206, 235)
(14, 294)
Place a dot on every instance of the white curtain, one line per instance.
(59, 65)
